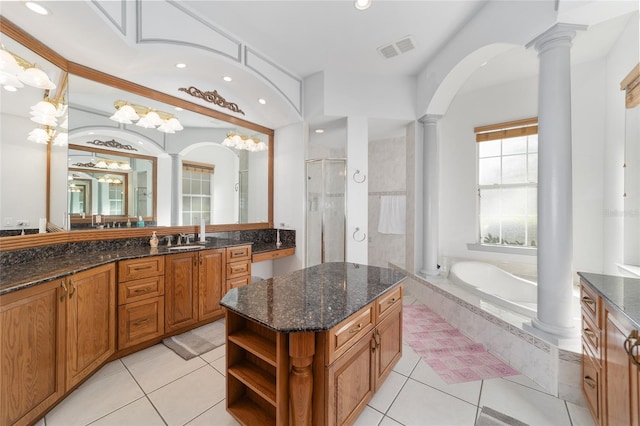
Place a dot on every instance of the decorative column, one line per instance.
(555, 212)
(301, 351)
(430, 195)
(176, 189)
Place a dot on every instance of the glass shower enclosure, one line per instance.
(326, 211)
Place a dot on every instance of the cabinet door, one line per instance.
(350, 382)
(91, 321)
(140, 321)
(181, 291)
(617, 374)
(31, 352)
(388, 340)
(212, 269)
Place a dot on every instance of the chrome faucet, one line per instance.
(182, 237)
(169, 239)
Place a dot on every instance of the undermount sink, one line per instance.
(189, 247)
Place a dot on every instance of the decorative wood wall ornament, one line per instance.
(112, 144)
(212, 97)
(90, 165)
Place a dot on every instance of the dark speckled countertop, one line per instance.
(311, 299)
(620, 292)
(27, 274)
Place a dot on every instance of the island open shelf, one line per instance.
(313, 346)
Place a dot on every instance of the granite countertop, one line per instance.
(311, 299)
(265, 247)
(621, 293)
(19, 276)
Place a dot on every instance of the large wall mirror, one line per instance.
(178, 177)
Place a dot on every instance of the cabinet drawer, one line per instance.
(275, 254)
(387, 301)
(237, 282)
(238, 269)
(348, 332)
(133, 291)
(140, 321)
(238, 253)
(590, 303)
(590, 334)
(591, 383)
(134, 269)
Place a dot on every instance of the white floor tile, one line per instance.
(188, 397)
(580, 416)
(468, 391)
(525, 381)
(111, 388)
(388, 421)
(215, 354)
(522, 403)
(383, 399)
(368, 417)
(216, 415)
(220, 364)
(158, 365)
(408, 360)
(139, 412)
(419, 404)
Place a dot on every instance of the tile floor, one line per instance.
(157, 387)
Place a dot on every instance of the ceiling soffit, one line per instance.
(187, 29)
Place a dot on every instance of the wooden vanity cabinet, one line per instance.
(140, 300)
(193, 290)
(238, 266)
(91, 321)
(32, 352)
(611, 376)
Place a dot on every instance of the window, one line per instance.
(508, 183)
(197, 184)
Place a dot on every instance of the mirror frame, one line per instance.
(36, 240)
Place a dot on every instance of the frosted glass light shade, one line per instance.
(61, 139)
(153, 118)
(8, 63)
(37, 78)
(44, 107)
(45, 120)
(8, 79)
(38, 136)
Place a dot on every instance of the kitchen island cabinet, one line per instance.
(312, 346)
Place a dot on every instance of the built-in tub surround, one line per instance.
(557, 370)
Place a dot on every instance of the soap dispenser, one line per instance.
(140, 222)
(154, 240)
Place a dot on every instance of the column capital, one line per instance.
(429, 119)
(558, 35)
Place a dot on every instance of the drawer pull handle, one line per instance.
(590, 382)
(355, 330)
(588, 301)
(144, 321)
(64, 287)
(392, 301)
(142, 290)
(142, 268)
(632, 342)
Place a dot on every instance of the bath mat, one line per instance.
(452, 355)
(197, 341)
(491, 417)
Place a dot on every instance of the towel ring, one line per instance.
(364, 235)
(361, 179)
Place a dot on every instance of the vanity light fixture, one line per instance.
(127, 113)
(101, 163)
(46, 112)
(14, 71)
(362, 4)
(240, 141)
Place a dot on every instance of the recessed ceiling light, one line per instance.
(179, 109)
(319, 130)
(362, 4)
(484, 63)
(181, 65)
(37, 8)
(227, 78)
(262, 101)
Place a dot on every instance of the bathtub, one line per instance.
(496, 286)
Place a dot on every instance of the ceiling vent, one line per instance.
(394, 49)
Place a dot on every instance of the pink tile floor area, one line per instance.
(455, 357)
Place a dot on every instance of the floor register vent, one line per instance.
(394, 49)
